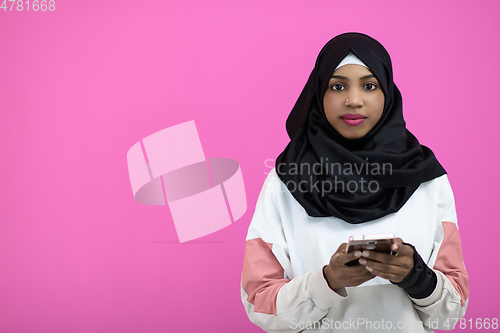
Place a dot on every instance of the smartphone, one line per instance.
(378, 243)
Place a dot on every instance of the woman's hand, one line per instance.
(338, 275)
(391, 267)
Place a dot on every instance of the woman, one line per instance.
(352, 168)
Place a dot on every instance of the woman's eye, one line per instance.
(337, 87)
(370, 86)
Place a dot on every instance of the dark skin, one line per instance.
(390, 267)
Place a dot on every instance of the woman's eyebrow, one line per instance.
(369, 76)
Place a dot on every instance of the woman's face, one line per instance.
(353, 101)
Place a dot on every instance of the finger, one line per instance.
(394, 258)
(340, 251)
(403, 250)
(359, 274)
(390, 272)
(345, 273)
(381, 273)
(356, 271)
(380, 257)
(388, 268)
(344, 258)
(396, 245)
(399, 265)
(342, 248)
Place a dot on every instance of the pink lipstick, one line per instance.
(353, 119)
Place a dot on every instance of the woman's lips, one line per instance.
(353, 119)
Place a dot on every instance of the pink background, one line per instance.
(80, 85)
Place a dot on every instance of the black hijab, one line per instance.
(356, 180)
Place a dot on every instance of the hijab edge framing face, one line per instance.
(367, 52)
(314, 140)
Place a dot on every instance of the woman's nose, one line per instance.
(354, 98)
